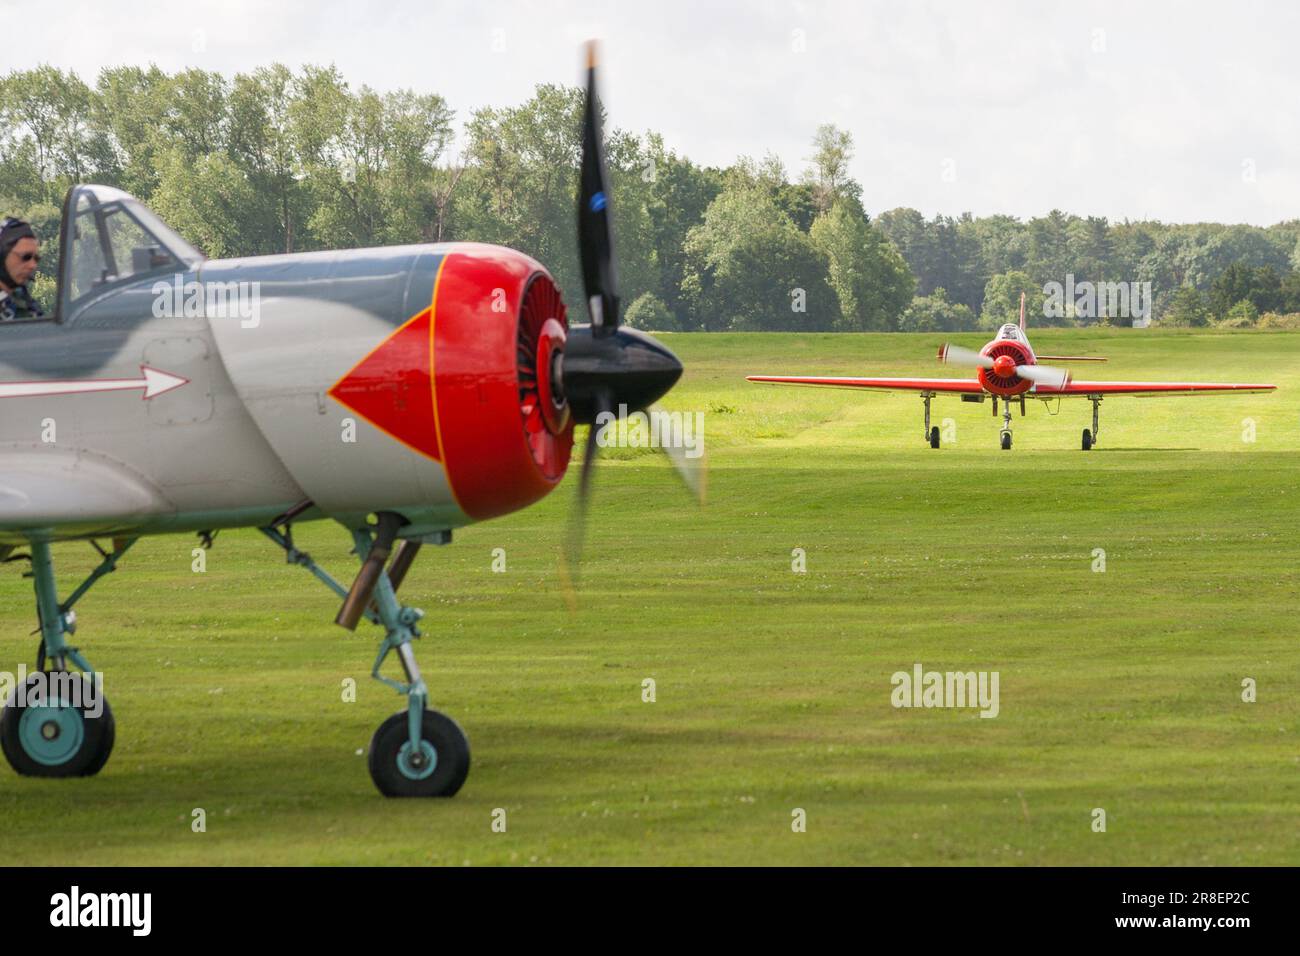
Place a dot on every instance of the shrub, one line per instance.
(649, 314)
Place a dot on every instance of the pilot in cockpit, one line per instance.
(19, 256)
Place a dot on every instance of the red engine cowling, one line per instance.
(1005, 383)
(498, 327)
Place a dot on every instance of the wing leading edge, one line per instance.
(75, 493)
(1152, 389)
(960, 386)
(973, 387)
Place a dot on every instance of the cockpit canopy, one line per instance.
(109, 238)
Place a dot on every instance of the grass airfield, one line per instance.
(1118, 690)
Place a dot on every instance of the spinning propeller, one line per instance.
(607, 367)
(1004, 366)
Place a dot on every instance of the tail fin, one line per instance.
(1022, 312)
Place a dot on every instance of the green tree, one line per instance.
(648, 313)
(1242, 315)
(829, 173)
(520, 186)
(1289, 293)
(1051, 258)
(195, 114)
(869, 276)
(941, 253)
(1186, 308)
(1091, 250)
(934, 313)
(205, 200)
(1002, 243)
(129, 106)
(52, 109)
(749, 268)
(261, 144)
(1002, 298)
(368, 159)
(1261, 286)
(679, 192)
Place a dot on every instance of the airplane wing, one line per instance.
(960, 386)
(1150, 389)
(84, 493)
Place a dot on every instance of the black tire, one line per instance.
(1006, 441)
(450, 747)
(934, 437)
(1087, 440)
(84, 759)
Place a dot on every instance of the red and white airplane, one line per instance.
(1009, 370)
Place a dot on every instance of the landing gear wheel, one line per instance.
(1087, 440)
(437, 771)
(1006, 441)
(934, 437)
(48, 737)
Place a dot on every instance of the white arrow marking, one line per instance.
(152, 381)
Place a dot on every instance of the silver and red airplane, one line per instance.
(400, 392)
(1009, 370)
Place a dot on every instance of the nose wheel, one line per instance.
(436, 768)
(1006, 424)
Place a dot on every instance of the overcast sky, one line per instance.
(1179, 111)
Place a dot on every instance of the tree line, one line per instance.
(279, 161)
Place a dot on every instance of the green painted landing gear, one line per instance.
(57, 723)
(49, 729)
(436, 768)
(417, 752)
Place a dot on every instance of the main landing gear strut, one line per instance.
(1090, 437)
(931, 434)
(58, 723)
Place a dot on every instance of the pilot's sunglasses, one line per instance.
(30, 257)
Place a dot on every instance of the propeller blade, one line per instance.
(595, 231)
(576, 535)
(968, 358)
(693, 472)
(606, 368)
(1044, 375)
